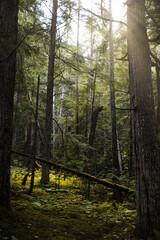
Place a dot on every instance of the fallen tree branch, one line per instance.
(81, 174)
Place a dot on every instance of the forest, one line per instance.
(79, 119)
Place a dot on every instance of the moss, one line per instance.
(68, 215)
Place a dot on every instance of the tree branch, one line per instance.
(80, 174)
(123, 58)
(18, 45)
(155, 58)
(103, 18)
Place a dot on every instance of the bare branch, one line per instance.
(81, 174)
(103, 18)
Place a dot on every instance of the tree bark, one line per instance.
(91, 155)
(8, 41)
(34, 148)
(94, 119)
(15, 113)
(38, 124)
(131, 150)
(158, 100)
(49, 100)
(147, 160)
(77, 77)
(112, 99)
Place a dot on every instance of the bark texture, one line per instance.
(158, 100)
(147, 162)
(34, 148)
(112, 99)
(77, 77)
(8, 40)
(14, 134)
(94, 119)
(91, 152)
(49, 101)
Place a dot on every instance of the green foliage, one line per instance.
(91, 61)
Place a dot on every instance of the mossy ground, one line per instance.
(61, 211)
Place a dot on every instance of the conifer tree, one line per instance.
(147, 159)
(49, 100)
(112, 99)
(8, 43)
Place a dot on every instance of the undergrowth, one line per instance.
(66, 209)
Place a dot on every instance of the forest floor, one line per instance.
(65, 210)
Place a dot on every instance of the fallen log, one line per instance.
(80, 174)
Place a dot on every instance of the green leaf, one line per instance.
(37, 204)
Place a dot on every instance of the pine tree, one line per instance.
(147, 160)
(8, 41)
(49, 100)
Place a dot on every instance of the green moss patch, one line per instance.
(64, 213)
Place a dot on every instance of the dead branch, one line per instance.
(81, 174)
(103, 18)
(37, 122)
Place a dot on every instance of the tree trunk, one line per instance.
(38, 124)
(112, 99)
(119, 156)
(147, 162)
(77, 77)
(8, 41)
(14, 134)
(94, 119)
(34, 148)
(131, 161)
(49, 101)
(158, 100)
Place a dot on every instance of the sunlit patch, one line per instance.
(118, 9)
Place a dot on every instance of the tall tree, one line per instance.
(34, 147)
(77, 77)
(15, 115)
(112, 98)
(49, 101)
(8, 41)
(158, 98)
(147, 159)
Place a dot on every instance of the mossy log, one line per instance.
(80, 174)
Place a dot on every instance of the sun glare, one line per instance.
(118, 9)
(118, 13)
